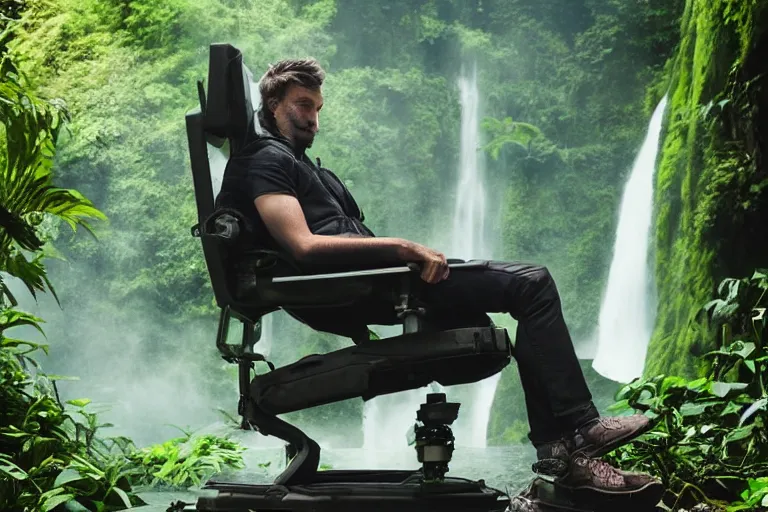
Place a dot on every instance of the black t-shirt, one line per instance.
(270, 166)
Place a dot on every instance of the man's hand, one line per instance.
(434, 266)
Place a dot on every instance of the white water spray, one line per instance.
(470, 240)
(626, 318)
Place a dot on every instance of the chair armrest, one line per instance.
(404, 269)
(333, 289)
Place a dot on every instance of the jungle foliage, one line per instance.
(711, 187)
(710, 442)
(51, 453)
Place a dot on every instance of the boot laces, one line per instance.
(611, 423)
(602, 472)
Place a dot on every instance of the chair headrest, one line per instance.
(228, 109)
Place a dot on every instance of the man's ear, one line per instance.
(272, 104)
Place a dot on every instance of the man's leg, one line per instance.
(565, 426)
(557, 397)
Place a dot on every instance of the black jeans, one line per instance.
(556, 395)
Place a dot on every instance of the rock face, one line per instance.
(712, 185)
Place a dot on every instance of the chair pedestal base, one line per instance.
(405, 491)
(353, 491)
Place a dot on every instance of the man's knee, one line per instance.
(541, 276)
(525, 278)
(539, 286)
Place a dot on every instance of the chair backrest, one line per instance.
(228, 108)
(226, 114)
(201, 177)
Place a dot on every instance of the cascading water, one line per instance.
(468, 237)
(470, 240)
(387, 418)
(626, 317)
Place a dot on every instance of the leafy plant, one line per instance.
(27, 193)
(185, 461)
(507, 131)
(710, 441)
(52, 456)
(48, 457)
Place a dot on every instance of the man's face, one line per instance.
(298, 115)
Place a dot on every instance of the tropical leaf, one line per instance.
(19, 230)
(752, 409)
(31, 272)
(54, 501)
(10, 469)
(11, 318)
(27, 192)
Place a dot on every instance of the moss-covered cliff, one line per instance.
(712, 185)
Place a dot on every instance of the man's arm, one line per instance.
(284, 218)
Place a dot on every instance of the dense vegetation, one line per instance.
(712, 188)
(568, 86)
(52, 454)
(710, 443)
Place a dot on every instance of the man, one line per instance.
(305, 212)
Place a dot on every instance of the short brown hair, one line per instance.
(275, 82)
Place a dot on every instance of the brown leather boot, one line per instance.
(553, 458)
(594, 439)
(597, 475)
(604, 435)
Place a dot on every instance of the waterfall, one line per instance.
(387, 419)
(626, 316)
(468, 237)
(470, 240)
(387, 422)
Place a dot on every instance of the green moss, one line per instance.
(702, 164)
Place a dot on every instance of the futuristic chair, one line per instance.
(368, 369)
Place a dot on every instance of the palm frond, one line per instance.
(31, 272)
(27, 191)
(13, 226)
